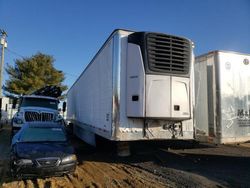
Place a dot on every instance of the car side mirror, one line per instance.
(64, 106)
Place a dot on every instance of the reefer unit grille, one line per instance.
(162, 53)
(168, 54)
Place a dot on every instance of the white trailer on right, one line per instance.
(222, 87)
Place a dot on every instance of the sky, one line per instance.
(72, 31)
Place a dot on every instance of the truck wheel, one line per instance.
(69, 128)
(12, 171)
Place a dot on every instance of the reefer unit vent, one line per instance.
(163, 53)
(168, 54)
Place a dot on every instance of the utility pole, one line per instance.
(4, 45)
(3, 42)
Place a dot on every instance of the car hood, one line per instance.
(43, 149)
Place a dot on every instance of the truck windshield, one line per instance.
(42, 135)
(39, 102)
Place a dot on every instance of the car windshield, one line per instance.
(40, 102)
(41, 134)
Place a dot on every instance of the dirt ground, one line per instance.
(152, 164)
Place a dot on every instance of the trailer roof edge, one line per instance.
(104, 44)
(223, 51)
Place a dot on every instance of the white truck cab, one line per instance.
(35, 108)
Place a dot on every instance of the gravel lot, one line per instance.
(152, 164)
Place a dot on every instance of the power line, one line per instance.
(17, 54)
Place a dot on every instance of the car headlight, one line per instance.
(70, 158)
(23, 162)
(59, 117)
(18, 121)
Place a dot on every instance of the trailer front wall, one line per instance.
(134, 128)
(234, 75)
(222, 86)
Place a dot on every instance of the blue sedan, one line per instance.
(42, 150)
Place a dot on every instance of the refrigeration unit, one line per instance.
(139, 86)
(222, 89)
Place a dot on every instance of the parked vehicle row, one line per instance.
(139, 86)
(143, 87)
(40, 145)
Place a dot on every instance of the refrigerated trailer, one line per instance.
(222, 88)
(139, 86)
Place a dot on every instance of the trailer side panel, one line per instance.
(90, 99)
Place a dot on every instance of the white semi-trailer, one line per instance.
(222, 85)
(139, 86)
